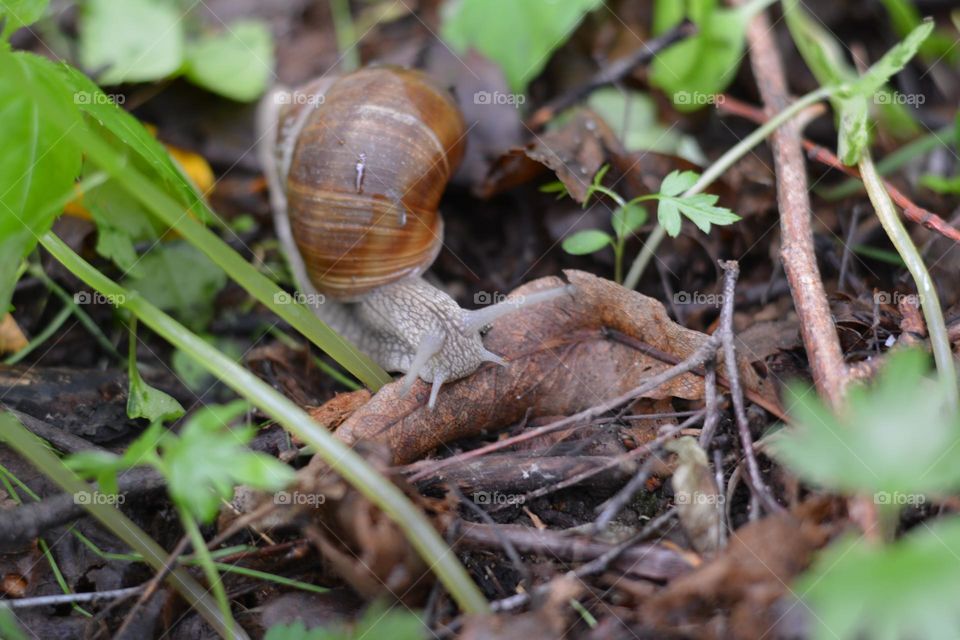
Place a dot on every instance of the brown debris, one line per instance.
(560, 362)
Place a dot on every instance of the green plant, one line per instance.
(375, 623)
(60, 138)
(672, 201)
(898, 442)
(519, 36)
(147, 40)
(851, 104)
(693, 71)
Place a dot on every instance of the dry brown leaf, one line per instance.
(699, 501)
(749, 575)
(561, 362)
(363, 545)
(575, 152)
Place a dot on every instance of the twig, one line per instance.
(153, 584)
(911, 211)
(651, 561)
(611, 73)
(616, 461)
(797, 253)
(71, 598)
(696, 359)
(620, 500)
(731, 271)
(595, 566)
(710, 400)
(525, 578)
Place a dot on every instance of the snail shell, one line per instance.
(371, 155)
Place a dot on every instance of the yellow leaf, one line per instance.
(11, 337)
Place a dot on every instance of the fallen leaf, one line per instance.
(11, 337)
(699, 501)
(749, 575)
(561, 361)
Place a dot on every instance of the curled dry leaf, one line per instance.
(699, 502)
(575, 152)
(750, 575)
(363, 545)
(561, 361)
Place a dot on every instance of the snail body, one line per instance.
(356, 167)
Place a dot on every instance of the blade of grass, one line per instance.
(34, 450)
(341, 458)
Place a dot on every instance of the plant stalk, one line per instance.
(342, 459)
(717, 169)
(929, 301)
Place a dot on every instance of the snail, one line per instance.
(356, 166)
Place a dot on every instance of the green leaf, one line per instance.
(121, 222)
(894, 437)
(908, 589)
(668, 215)
(694, 70)
(15, 14)
(905, 17)
(627, 219)
(637, 120)
(376, 623)
(892, 61)
(819, 49)
(130, 41)
(8, 626)
(596, 184)
(518, 36)
(701, 209)
(207, 460)
(854, 134)
(677, 182)
(942, 185)
(237, 64)
(825, 58)
(129, 135)
(176, 277)
(39, 163)
(101, 465)
(587, 241)
(145, 401)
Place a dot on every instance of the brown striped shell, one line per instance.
(368, 167)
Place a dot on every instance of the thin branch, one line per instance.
(611, 73)
(797, 253)
(911, 211)
(731, 271)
